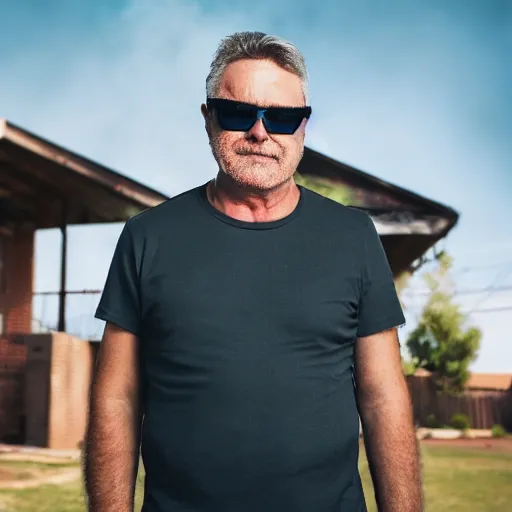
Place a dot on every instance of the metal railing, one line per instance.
(80, 306)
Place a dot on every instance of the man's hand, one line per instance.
(112, 440)
(386, 415)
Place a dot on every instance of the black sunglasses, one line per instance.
(240, 117)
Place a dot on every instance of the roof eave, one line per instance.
(446, 211)
(104, 176)
(435, 226)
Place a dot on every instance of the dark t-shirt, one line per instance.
(247, 333)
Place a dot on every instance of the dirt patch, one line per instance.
(503, 445)
(55, 478)
(6, 474)
(18, 472)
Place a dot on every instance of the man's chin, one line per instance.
(259, 183)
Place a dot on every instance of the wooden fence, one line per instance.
(483, 408)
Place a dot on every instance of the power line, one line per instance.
(489, 291)
(469, 291)
(490, 310)
(492, 288)
(417, 312)
(474, 268)
(481, 249)
(465, 270)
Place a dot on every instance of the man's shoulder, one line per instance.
(175, 209)
(337, 214)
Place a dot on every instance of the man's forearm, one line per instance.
(111, 456)
(393, 455)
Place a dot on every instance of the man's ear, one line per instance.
(204, 111)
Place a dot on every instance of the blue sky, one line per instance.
(416, 93)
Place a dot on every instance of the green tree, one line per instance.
(409, 366)
(402, 281)
(443, 343)
(327, 188)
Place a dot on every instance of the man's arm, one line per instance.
(113, 434)
(386, 415)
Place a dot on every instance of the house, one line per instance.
(45, 377)
(479, 382)
(408, 224)
(42, 376)
(489, 382)
(45, 186)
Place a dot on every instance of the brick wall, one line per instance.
(12, 388)
(16, 285)
(57, 383)
(44, 378)
(70, 386)
(16, 299)
(13, 353)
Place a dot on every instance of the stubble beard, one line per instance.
(258, 176)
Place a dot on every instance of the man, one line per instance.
(245, 320)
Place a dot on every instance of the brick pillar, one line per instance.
(19, 268)
(58, 378)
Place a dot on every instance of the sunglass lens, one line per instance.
(236, 119)
(282, 121)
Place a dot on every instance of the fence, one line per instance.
(483, 408)
(80, 306)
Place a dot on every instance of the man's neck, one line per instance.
(250, 205)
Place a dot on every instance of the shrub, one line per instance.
(431, 421)
(467, 434)
(460, 422)
(498, 431)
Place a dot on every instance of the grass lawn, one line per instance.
(25, 470)
(455, 480)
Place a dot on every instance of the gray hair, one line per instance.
(256, 45)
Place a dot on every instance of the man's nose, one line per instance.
(257, 132)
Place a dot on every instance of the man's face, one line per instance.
(239, 154)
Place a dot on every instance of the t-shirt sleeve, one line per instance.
(120, 299)
(379, 307)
